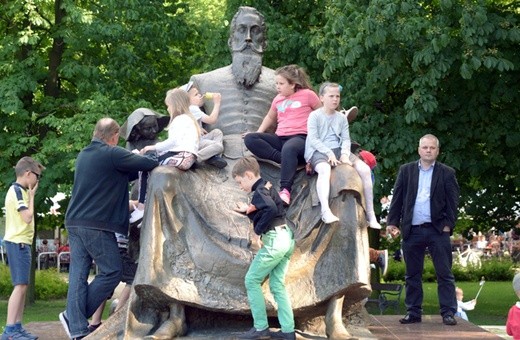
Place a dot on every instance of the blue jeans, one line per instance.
(271, 260)
(19, 256)
(83, 298)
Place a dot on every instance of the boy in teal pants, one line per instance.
(268, 216)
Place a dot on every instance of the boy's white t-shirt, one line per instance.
(197, 113)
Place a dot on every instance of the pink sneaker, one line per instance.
(285, 195)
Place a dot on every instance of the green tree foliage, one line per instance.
(445, 67)
(66, 64)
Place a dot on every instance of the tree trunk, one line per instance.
(52, 86)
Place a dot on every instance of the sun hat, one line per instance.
(136, 116)
(187, 87)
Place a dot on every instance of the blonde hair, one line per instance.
(178, 102)
(28, 164)
(326, 85)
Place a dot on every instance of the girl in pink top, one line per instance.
(289, 112)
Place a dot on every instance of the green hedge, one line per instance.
(492, 270)
(49, 284)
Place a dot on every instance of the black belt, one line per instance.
(422, 225)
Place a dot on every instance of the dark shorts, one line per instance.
(129, 267)
(19, 255)
(318, 157)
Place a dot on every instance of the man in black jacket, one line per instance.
(98, 208)
(424, 204)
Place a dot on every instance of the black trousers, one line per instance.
(439, 246)
(287, 151)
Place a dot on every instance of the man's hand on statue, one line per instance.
(241, 207)
(146, 149)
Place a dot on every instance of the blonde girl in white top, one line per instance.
(179, 149)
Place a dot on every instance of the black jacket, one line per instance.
(444, 197)
(100, 192)
(268, 207)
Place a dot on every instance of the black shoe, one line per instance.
(449, 320)
(217, 162)
(282, 335)
(410, 318)
(254, 334)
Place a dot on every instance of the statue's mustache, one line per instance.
(248, 45)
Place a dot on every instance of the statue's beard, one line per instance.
(246, 67)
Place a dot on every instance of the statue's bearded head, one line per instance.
(247, 43)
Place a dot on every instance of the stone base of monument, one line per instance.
(384, 327)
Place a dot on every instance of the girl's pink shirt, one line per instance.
(293, 111)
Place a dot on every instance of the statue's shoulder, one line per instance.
(219, 73)
(268, 71)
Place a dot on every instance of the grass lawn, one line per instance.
(492, 306)
(42, 311)
(493, 303)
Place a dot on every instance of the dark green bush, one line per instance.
(49, 284)
(491, 270)
(5, 282)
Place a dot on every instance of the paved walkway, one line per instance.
(384, 327)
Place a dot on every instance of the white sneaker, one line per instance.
(351, 113)
(65, 323)
(136, 215)
(328, 217)
(374, 224)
